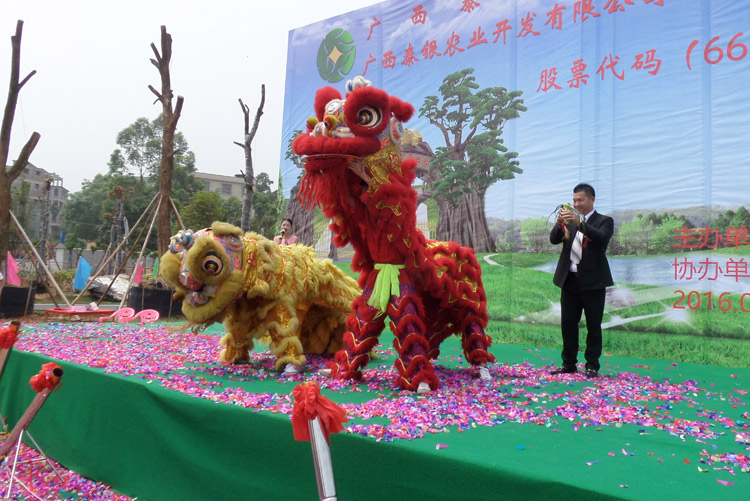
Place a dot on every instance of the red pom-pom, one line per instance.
(9, 335)
(310, 404)
(48, 378)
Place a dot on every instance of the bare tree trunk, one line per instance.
(247, 204)
(7, 176)
(466, 223)
(167, 140)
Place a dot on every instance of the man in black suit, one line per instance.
(583, 275)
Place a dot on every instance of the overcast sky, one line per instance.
(93, 72)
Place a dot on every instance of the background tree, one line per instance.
(8, 175)
(140, 152)
(265, 207)
(509, 236)
(663, 238)
(741, 218)
(635, 236)
(473, 158)
(204, 208)
(535, 234)
(88, 213)
(170, 117)
(233, 211)
(22, 210)
(247, 209)
(141, 142)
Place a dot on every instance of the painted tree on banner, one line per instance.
(474, 158)
(304, 220)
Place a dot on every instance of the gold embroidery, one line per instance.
(396, 209)
(381, 164)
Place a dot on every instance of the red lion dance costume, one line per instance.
(429, 289)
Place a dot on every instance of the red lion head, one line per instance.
(343, 133)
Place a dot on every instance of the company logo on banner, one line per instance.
(518, 101)
(336, 55)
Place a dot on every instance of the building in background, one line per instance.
(29, 209)
(225, 186)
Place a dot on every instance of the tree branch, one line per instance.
(177, 109)
(158, 56)
(444, 130)
(246, 112)
(240, 145)
(23, 158)
(158, 96)
(13, 90)
(23, 82)
(469, 136)
(259, 112)
(166, 44)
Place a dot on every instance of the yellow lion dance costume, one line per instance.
(259, 289)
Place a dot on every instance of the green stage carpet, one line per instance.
(159, 420)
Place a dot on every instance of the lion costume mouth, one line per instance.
(207, 270)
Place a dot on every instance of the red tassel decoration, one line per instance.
(48, 378)
(310, 404)
(9, 335)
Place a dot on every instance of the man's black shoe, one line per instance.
(591, 373)
(563, 370)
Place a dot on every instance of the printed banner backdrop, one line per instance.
(644, 99)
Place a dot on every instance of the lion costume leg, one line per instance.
(413, 364)
(362, 336)
(236, 342)
(284, 328)
(475, 341)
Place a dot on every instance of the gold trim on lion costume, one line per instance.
(259, 289)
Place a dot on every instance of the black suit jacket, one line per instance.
(593, 270)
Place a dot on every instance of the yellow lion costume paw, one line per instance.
(259, 289)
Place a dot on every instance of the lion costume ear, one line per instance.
(169, 269)
(221, 228)
(322, 98)
(401, 109)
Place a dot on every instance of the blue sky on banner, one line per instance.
(659, 122)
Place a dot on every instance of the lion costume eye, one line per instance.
(369, 117)
(212, 264)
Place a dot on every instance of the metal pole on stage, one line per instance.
(8, 338)
(322, 460)
(314, 419)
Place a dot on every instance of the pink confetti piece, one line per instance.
(724, 482)
(590, 463)
(612, 454)
(441, 446)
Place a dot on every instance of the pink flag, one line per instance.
(12, 269)
(138, 274)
